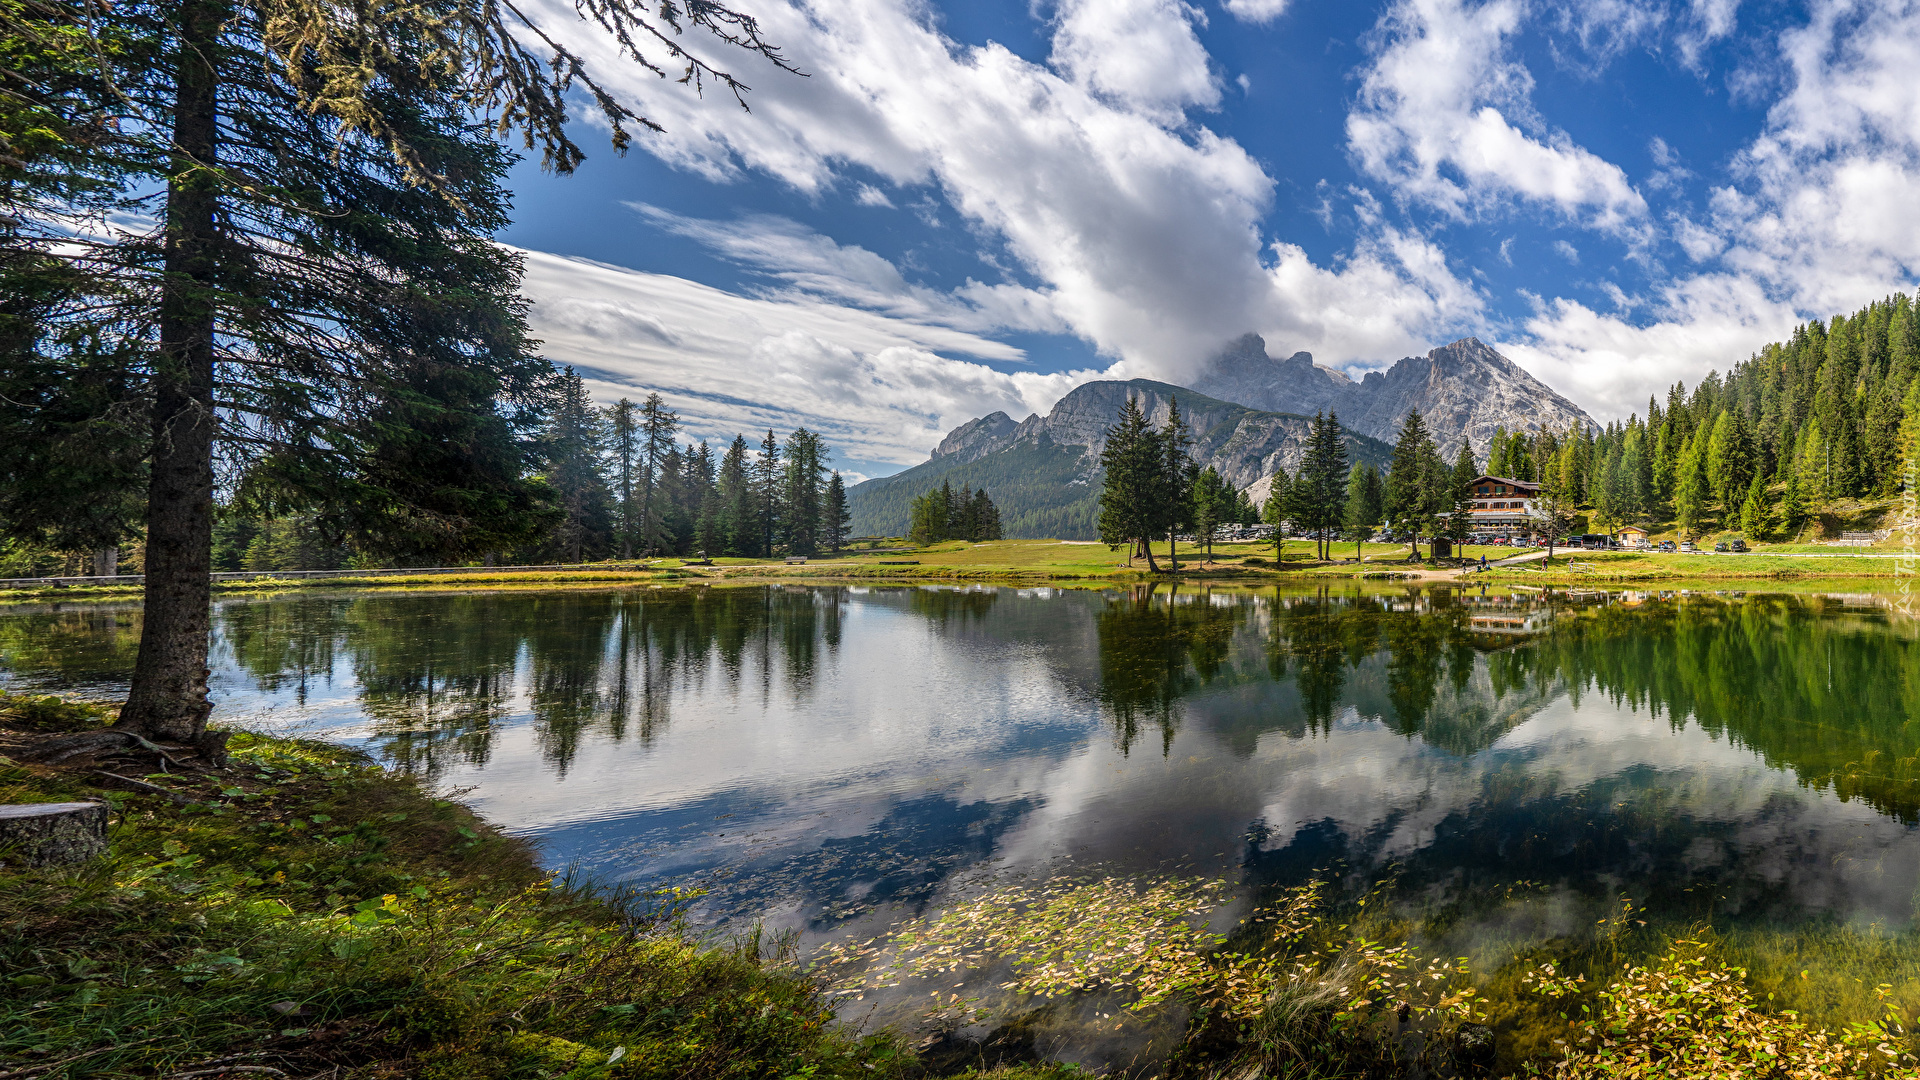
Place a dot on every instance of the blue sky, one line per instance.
(969, 207)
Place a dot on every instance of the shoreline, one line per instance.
(1581, 571)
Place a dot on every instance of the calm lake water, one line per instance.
(829, 757)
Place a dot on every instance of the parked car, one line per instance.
(1737, 544)
(1721, 548)
(1688, 545)
(1667, 545)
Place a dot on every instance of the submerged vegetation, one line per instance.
(1298, 988)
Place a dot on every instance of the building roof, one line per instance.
(1509, 481)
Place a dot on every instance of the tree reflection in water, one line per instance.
(439, 676)
(1156, 649)
(1829, 690)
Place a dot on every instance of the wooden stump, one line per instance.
(52, 834)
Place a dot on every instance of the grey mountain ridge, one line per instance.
(1250, 414)
(1464, 390)
(1043, 472)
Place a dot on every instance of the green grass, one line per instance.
(1067, 561)
(1598, 567)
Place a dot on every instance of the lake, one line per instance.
(832, 759)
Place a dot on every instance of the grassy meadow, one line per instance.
(1069, 561)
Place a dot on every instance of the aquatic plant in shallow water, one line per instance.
(1690, 1015)
(1297, 985)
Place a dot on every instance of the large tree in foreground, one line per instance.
(323, 182)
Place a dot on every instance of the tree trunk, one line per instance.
(106, 562)
(1173, 553)
(1147, 546)
(169, 691)
(53, 834)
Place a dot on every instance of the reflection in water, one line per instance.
(1154, 651)
(828, 752)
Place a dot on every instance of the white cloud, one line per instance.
(1708, 21)
(1603, 29)
(1140, 54)
(1828, 210)
(1567, 251)
(1611, 366)
(818, 266)
(1432, 121)
(868, 195)
(1142, 228)
(1700, 243)
(1823, 216)
(875, 385)
(1256, 11)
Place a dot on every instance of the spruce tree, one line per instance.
(1364, 507)
(709, 531)
(1275, 509)
(1176, 483)
(1410, 480)
(623, 448)
(1135, 466)
(573, 448)
(1753, 512)
(767, 478)
(804, 483)
(989, 517)
(1317, 497)
(738, 524)
(966, 515)
(837, 518)
(1793, 507)
(1730, 458)
(657, 428)
(1692, 488)
(674, 501)
(1331, 480)
(1465, 472)
(1213, 506)
(1497, 464)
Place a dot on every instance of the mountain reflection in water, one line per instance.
(824, 754)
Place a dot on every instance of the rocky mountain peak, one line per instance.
(976, 438)
(1465, 389)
